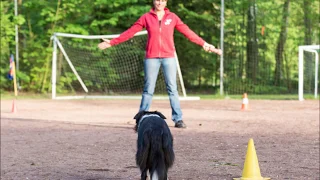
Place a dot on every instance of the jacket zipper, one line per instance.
(160, 38)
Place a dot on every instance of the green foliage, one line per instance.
(7, 43)
(38, 20)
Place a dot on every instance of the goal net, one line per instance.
(308, 71)
(81, 70)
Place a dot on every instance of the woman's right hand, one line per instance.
(105, 44)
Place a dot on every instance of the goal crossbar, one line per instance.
(57, 34)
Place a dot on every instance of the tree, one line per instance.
(252, 44)
(308, 41)
(7, 43)
(281, 43)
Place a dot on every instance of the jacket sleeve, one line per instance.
(188, 33)
(129, 33)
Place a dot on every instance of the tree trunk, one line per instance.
(307, 22)
(252, 44)
(47, 64)
(309, 73)
(199, 78)
(281, 43)
(242, 44)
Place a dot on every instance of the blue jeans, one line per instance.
(151, 70)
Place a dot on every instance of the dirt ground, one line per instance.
(94, 139)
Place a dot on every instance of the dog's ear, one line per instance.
(139, 115)
(160, 114)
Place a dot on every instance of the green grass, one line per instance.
(22, 95)
(253, 96)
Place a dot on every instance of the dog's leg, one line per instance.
(148, 175)
(144, 174)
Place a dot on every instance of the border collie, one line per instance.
(154, 146)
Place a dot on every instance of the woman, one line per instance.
(160, 24)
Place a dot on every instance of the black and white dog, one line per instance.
(154, 146)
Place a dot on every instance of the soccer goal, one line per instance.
(81, 70)
(308, 70)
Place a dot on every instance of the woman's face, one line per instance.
(159, 5)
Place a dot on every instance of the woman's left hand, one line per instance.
(207, 46)
(210, 48)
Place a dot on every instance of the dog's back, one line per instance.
(155, 146)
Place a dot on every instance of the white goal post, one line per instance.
(312, 49)
(72, 63)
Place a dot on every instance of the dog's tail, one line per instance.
(155, 146)
(158, 169)
(162, 154)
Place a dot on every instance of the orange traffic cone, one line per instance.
(14, 107)
(251, 169)
(245, 102)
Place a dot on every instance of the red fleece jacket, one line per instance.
(160, 35)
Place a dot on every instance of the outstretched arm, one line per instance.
(136, 27)
(188, 33)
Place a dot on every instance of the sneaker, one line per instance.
(180, 124)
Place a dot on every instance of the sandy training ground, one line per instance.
(94, 139)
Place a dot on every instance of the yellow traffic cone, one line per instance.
(251, 170)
